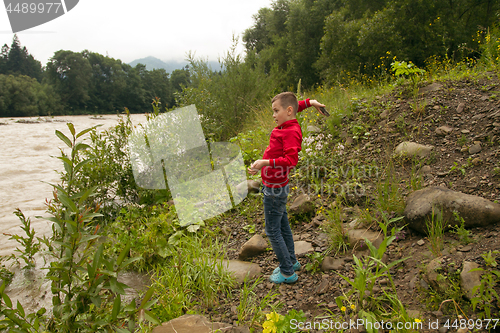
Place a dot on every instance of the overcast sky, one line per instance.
(129, 30)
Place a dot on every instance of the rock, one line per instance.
(425, 170)
(475, 148)
(189, 323)
(421, 242)
(466, 248)
(477, 161)
(357, 238)
(476, 211)
(253, 247)
(354, 224)
(254, 185)
(226, 231)
(321, 240)
(465, 131)
(250, 186)
(444, 130)
(412, 149)
(433, 276)
(330, 263)
(322, 288)
(242, 269)
(468, 279)
(306, 237)
(431, 87)
(413, 313)
(413, 282)
(302, 247)
(460, 107)
(313, 129)
(302, 205)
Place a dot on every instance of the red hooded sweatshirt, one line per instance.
(283, 151)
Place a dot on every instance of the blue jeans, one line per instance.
(277, 227)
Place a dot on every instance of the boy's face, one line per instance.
(281, 114)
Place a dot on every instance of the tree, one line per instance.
(179, 79)
(18, 96)
(4, 58)
(267, 42)
(70, 73)
(133, 94)
(107, 83)
(19, 62)
(157, 84)
(304, 38)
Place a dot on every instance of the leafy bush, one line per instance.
(148, 230)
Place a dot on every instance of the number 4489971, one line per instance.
(25, 8)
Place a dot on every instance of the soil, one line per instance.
(471, 108)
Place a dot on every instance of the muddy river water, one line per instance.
(26, 168)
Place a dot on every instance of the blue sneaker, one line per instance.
(296, 267)
(279, 278)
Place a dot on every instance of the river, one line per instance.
(27, 167)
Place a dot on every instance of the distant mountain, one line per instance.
(169, 66)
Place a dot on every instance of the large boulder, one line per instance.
(476, 211)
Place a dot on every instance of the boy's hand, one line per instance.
(257, 165)
(317, 105)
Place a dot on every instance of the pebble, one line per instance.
(474, 149)
(421, 242)
(466, 248)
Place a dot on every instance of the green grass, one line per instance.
(194, 278)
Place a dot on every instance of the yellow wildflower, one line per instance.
(270, 324)
(269, 327)
(353, 306)
(343, 309)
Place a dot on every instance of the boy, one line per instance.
(279, 158)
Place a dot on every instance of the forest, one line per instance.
(314, 42)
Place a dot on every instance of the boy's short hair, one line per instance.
(287, 99)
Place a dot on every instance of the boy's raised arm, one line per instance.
(311, 102)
